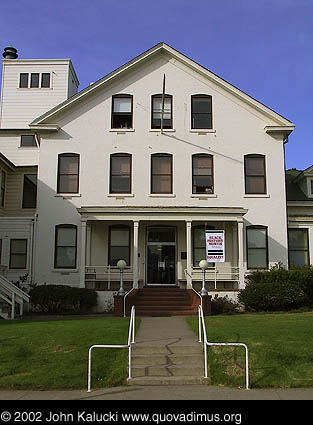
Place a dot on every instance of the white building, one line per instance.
(113, 184)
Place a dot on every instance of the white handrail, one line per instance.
(130, 341)
(124, 301)
(206, 344)
(199, 295)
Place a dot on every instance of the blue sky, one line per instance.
(263, 47)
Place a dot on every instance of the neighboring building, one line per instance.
(300, 216)
(113, 184)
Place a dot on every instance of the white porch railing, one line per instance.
(130, 341)
(215, 274)
(107, 274)
(9, 295)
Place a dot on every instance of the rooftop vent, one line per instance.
(10, 53)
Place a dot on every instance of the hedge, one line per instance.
(61, 298)
(278, 289)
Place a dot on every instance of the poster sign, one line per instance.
(215, 246)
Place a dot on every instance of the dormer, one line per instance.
(30, 87)
(305, 182)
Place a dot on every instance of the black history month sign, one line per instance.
(215, 246)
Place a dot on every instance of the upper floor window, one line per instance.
(30, 191)
(68, 173)
(28, 140)
(161, 173)
(35, 80)
(201, 111)
(257, 247)
(120, 173)
(255, 176)
(298, 243)
(119, 244)
(65, 252)
(202, 174)
(157, 107)
(3, 188)
(122, 111)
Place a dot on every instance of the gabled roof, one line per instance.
(282, 122)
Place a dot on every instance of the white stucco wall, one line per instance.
(238, 130)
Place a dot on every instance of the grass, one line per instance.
(280, 349)
(54, 354)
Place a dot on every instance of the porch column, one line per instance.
(88, 245)
(189, 249)
(240, 255)
(135, 255)
(83, 253)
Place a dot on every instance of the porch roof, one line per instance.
(144, 213)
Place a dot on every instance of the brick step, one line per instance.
(162, 302)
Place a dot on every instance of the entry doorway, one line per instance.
(161, 255)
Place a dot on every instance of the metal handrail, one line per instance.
(124, 300)
(199, 295)
(108, 272)
(206, 344)
(130, 341)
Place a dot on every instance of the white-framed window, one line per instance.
(65, 251)
(257, 247)
(18, 254)
(122, 111)
(35, 80)
(298, 247)
(28, 141)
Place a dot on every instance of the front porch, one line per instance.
(162, 247)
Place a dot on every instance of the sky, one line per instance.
(263, 47)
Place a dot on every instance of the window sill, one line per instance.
(120, 195)
(203, 196)
(165, 130)
(67, 195)
(162, 195)
(29, 147)
(121, 130)
(64, 271)
(256, 196)
(202, 130)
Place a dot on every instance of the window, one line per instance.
(3, 187)
(122, 111)
(199, 246)
(68, 173)
(0, 250)
(23, 81)
(29, 191)
(161, 173)
(28, 140)
(255, 180)
(119, 244)
(18, 253)
(201, 111)
(298, 241)
(120, 173)
(65, 252)
(157, 111)
(257, 247)
(202, 174)
(34, 80)
(45, 80)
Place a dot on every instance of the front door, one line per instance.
(161, 256)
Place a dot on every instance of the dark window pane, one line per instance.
(68, 165)
(122, 116)
(18, 253)
(122, 121)
(298, 239)
(202, 105)
(161, 184)
(119, 253)
(28, 140)
(157, 111)
(65, 247)
(202, 121)
(23, 81)
(68, 184)
(45, 80)
(255, 185)
(162, 164)
(257, 248)
(30, 191)
(298, 247)
(161, 235)
(255, 166)
(68, 173)
(34, 80)
(119, 245)
(120, 184)
(120, 178)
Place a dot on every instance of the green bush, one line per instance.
(61, 298)
(278, 289)
(223, 305)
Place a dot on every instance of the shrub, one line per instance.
(60, 298)
(278, 289)
(223, 305)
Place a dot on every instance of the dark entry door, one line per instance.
(161, 256)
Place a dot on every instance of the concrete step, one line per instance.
(175, 370)
(169, 359)
(166, 350)
(169, 380)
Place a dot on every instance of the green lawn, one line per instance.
(54, 354)
(280, 349)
